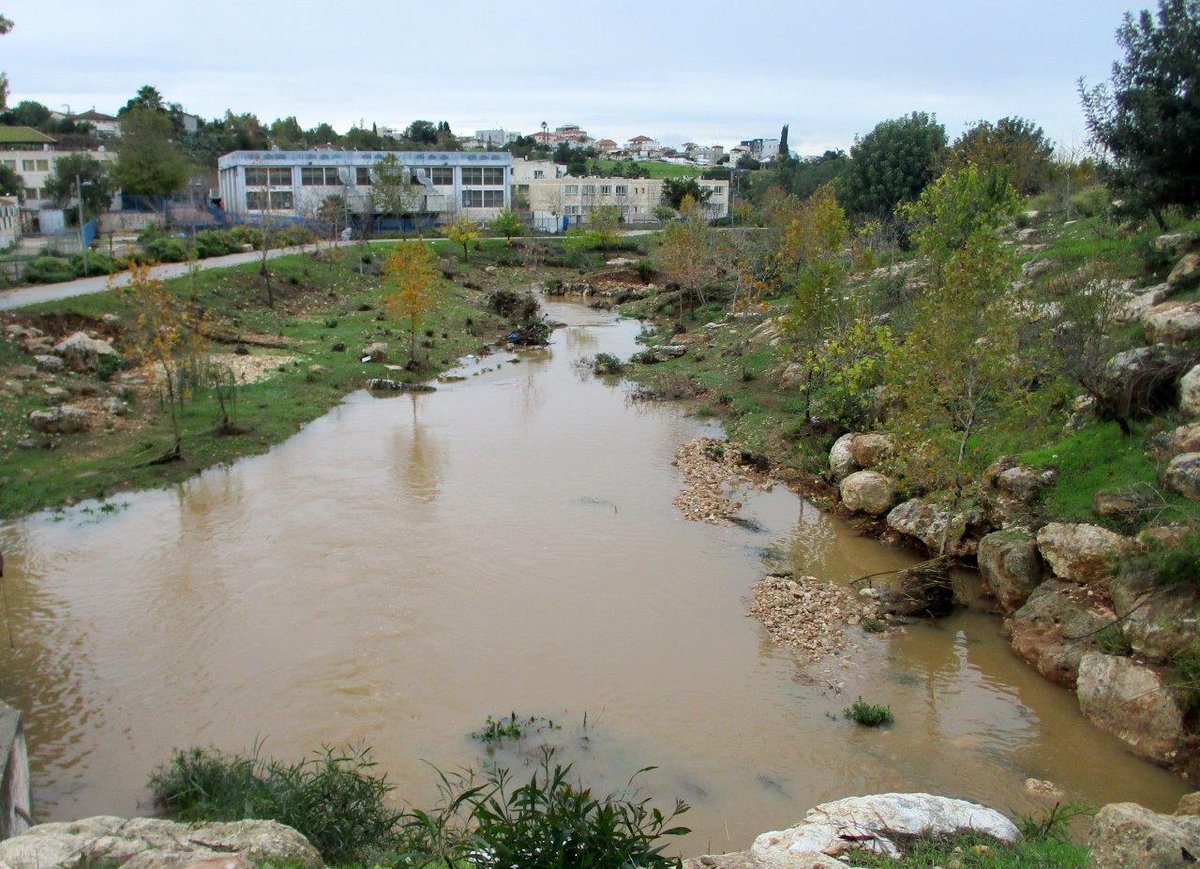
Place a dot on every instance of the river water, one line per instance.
(405, 567)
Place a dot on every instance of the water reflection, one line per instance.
(417, 460)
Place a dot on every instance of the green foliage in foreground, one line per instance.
(979, 852)
(488, 821)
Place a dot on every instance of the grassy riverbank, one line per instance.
(289, 368)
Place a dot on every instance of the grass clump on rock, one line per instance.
(869, 714)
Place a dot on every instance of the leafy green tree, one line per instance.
(287, 134)
(11, 183)
(421, 133)
(463, 231)
(149, 161)
(5, 26)
(508, 224)
(392, 190)
(1148, 121)
(892, 164)
(675, 190)
(321, 134)
(951, 210)
(27, 113)
(147, 98)
(688, 255)
(1015, 146)
(94, 183)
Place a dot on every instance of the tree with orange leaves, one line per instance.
(411, 287)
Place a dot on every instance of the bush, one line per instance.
(868, 714)
(49, 270)
(1091, 201)
(332, 800)
(216, 242)
(1181, 563)
(606, 363)
(97, 263)
(166, 249)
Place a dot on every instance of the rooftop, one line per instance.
(23, 136)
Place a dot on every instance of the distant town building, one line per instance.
(496, 138)
(643, 146)
(606, 146)
(558, 203)
(762, 149)
(296, 183)
(534, 170)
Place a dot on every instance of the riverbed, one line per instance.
(406, 566)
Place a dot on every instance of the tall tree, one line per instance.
(1148, 120)
(392, 190)
(688, 253)
(77, 174)
(5, 26)
(11, 183)
(892, 164)
(784, 154)
(1015, 146)
(147, 98)
(149, 161)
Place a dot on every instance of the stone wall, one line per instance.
(15, 802)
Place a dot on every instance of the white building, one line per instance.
(10, 221)
(496, 138)
(32, 155)
(296, 183)
(762, 150)
(558, 203)
(524, 169)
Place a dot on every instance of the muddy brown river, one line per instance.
(406, 566)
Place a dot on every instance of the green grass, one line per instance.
(1099, 458)
(980, 852)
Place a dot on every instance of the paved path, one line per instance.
(18, 298)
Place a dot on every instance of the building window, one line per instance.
(493, 198)
(362, 176)
(572, 209)
(442, 176)
(43, 165)
(490, 176)
(589, 189)
(622, 189)
(281, 199)
(256, 200)
(27, 166)
(259, 176)
(606, 190)
(319, 176)
(472, 199)
(571, 189)
(539, 173)
(10, 164)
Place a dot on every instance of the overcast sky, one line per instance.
(702, 71)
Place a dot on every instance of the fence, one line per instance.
(16, 814)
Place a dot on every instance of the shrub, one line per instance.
(1091, 201)
(1181, 563)
(869, 714)
(97, 263)
(333, 800)
(216, 242)
(49, 270)
(165, 249)
(606, 363)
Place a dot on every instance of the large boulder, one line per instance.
(1144, 377)
(1055, 627)
(841, 459)
(1135, 304)
(1083, 553)
(1172, 322)
(1131, 701)
(930, 524)
(1183, 475)
(868, 492)
(1129, 836)
(1010, 566)
(1186, 273)
(376, 352)
(1189, 392)
(67, 419)
(141, 843)
(1172, 243)
(1182, 439)
(871, 450)
(879, 824)
(1161, 620)
(82, 352)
